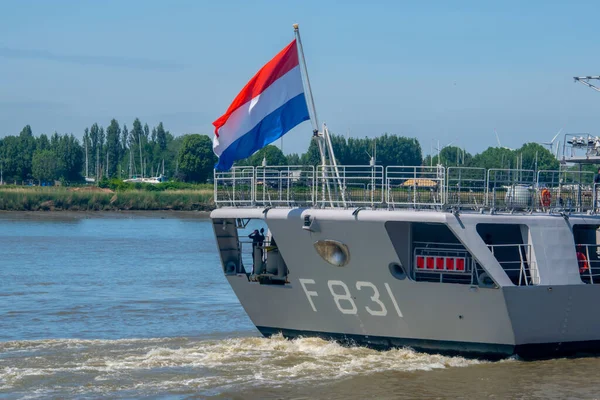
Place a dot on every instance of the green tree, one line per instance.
(272, 154)
(312, 155)
(537, 157)
(293, 159)
(94, 150)
(450, 156)
(494, 157)
(45, 166)
(161, 136)
(69, 155)
(196, 158)
(136, 145)
(146, 133)
(26, 149)
(398, 150)
(113, 147)
(124, 139)
(10, 158)
(42, 142)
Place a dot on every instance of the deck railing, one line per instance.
(517, 262)
(589, 264)
(416, 187)
(288, 185)
(349, 186)
(568, 190)
(420, 187)
(235, 188)
(510, 189)
(466, 187)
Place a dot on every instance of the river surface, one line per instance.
(136, 306)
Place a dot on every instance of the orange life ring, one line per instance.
(546, 198)
(582, 262)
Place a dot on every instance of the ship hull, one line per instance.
(364, 303)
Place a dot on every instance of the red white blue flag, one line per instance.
(270, 104)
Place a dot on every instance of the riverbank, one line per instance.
(92, 198)
(78, 215)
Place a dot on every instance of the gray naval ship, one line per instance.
(486, 263)
(480, 262)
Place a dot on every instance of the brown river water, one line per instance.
(135, 306)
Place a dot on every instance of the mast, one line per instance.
(130, 162)
(86, 156)
(311, 102)
(322, 137)
(97, 163)
(141, 159)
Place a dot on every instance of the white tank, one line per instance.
(518, 196)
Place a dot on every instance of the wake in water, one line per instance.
(131, 367)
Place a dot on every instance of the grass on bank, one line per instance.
(97, 199)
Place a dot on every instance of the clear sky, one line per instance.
(434, 70)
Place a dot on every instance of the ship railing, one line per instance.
(415, 186)
(510, 189)
(290, 185)
(234, 188)
(466, 187)
(349, 186)
(565, 190)
(589, 268)
(517, 262)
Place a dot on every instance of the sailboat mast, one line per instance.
(86, 156)
(141, 159)
(130, 162)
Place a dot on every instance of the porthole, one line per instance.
(397, 271)
(334, 252)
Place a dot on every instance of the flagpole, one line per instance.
(323, 139)
(314, 120)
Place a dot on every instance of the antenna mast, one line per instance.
(585, 80)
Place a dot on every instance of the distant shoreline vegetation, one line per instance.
(93, 198)
(109, 156)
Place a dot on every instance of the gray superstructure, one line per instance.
(458, 259)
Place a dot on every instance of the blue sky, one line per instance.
(447, 71)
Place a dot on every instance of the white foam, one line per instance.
(206, 365)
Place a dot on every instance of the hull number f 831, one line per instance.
(344, 301)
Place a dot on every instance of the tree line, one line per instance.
(140, 151)
(389, 150)
(103, 153)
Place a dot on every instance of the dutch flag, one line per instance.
(268, 106)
